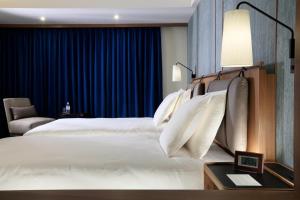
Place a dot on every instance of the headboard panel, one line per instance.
(261, 108)
(232, 133)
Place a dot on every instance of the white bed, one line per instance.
(111, 161)
(71, 154)
(97, 126)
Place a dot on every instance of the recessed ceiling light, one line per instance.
(43, 18)
(116, 17)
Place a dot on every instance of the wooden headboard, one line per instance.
(261, 110)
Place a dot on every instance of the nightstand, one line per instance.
(275, 177)
(74, 115)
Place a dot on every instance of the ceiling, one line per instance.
(96, 11)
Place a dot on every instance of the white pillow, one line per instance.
(184, 97)
(205, 124)
(166, 108)
(191, 119)
(174, 135)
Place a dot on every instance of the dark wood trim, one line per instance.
(90, 25)
(149, 195)
(211, 176)
(279, 176)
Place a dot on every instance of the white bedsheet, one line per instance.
(113, 161)
(96, 126)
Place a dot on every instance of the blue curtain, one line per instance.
(107, 72)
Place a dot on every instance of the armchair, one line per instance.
(20, 126)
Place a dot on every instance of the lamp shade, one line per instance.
(176, 74)
(237, 41)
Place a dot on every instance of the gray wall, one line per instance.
(270, 45)
(285, 85)
(174, 48)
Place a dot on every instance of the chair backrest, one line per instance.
(14, 102)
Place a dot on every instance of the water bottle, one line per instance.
(68, 108)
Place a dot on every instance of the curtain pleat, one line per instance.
(106, 72)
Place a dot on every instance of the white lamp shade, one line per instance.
(237, 41)
(176, 74)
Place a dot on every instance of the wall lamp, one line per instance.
(176, 74)
(237, 41)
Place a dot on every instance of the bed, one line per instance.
(102, 126)
(96, 126)
(99, 154)
(113, 161)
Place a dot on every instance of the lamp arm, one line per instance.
(267, 15)
(184, 66)
(292, 40)
(193, 74)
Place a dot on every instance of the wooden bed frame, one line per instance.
(261, 112)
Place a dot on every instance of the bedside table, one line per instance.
(275, 177)
(74, 115)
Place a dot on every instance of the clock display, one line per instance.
(248, 161)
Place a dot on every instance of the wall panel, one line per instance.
(285, 85)
(269, 45)
(174, 48)
(206, 37)
(219, 32)
(192, 37)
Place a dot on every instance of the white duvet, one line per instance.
(96, 126)
(110, 161)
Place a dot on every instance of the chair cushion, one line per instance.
(23, 125)
(14, 102)
(23, 112)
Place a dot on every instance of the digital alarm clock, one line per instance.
(249, 162)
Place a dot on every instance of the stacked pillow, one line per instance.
(170, 105)
(166, 108)
(184, 97)
(195, 124)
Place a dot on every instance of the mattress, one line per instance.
(96, 126)
(110, 161)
